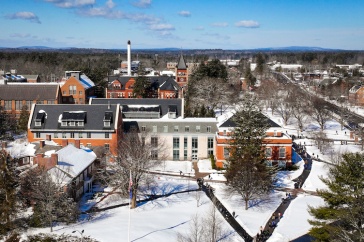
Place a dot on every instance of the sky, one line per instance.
(185, 24)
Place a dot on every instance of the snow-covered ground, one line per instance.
(161, 219)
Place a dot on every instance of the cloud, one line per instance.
(247, 24)
(184, 13)
(222, 24)
(161, 27)
(199, 28)
(142, 3)
(20, 35)
(217, 36)
(72, 3)
(26, 16)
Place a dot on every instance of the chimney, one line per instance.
(41, 144)
(129, 59)
(48, 137)
(77, 143)
(64, 142)
(53, 160)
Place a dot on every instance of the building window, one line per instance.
(144, 128)
(55, 135)
(18, 105)
(80, 135)
(7, 105)
(154, 129)
(64, 92)
(106, 123)
(80, 92)
(29, 105)
(185, 154)
(38, 123)
(226, 153)
(224, 132)
(106, 135)
(268, 152)
(208, 129)
(282, 152)
(89, 145)
(72, 135)
(37, 134)
(72, 90)
(175, 154)
(175, 129)
(39, 101)
(88, 135)
(194, 148)
(80, 123)
(154, 154)
(176, 143)
(187, 129)
(210, 145)
(64, 123)
(107, 147)
(64, 135)
(72, 123)
(154, 142)
(165, 129)
(198, 128)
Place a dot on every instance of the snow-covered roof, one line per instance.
(19, 149)
(73, 161)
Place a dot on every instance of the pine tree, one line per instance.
(8, 184)
(247, 174)
(23, 119)
(342, 216)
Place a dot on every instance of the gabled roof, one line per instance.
(231, 124)
(163, 104)
(29, 91)
(93, 116)
(181, 63)
(162, 82)
(73, 161)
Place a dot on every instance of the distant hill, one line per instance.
(296, 48)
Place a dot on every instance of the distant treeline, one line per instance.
(97, 64)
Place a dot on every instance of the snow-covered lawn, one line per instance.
(158, 220)
(259, 211)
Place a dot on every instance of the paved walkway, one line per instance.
(291, 194)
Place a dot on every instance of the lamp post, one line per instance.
(81, 233)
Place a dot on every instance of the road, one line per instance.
(352, 119)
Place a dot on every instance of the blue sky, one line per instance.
(186, 24)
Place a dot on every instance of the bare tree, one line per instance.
(299, 110)
(206, 228)
(319, 112)
(138, 154)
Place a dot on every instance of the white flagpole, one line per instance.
(130, 197)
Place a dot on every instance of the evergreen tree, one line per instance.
(260, 64)
(141, 87)
(23, 119)
(203, 111)
(249, 76)
(247, 173)
(8, 184)
(342, 216)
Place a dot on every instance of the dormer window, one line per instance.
(108, 119)
(39, 119)
(80, 123)
(64, 123)
(73, 118)
(72, 123)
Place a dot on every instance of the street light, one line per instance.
(81, 233)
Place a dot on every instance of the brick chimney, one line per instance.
(41, 144)
(39, 159)
(53, 160)
(48, 137)
(77, 143)
(64, 142)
